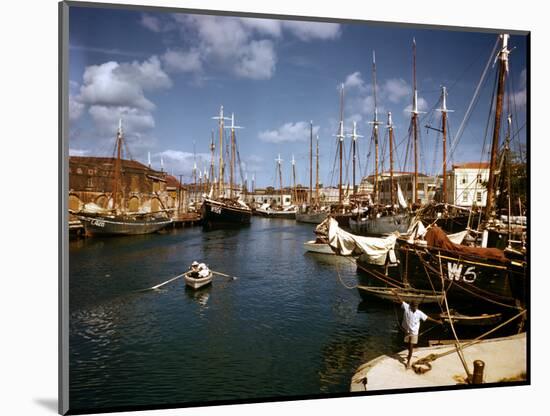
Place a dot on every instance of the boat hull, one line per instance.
(321, 248)
(269, 213)
(196, 283)
(98, 225)
(383, 225)
(407, 295)
(467, 279)
(215, 213)
(311, 218)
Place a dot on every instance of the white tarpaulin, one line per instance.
(401, 198)
(344, 243)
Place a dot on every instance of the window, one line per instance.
(409, 186)
(478, 196)
(287, 199)
(79, 171)
(479, 178)
(465, 197)
(90, 172)
(420, 186)
(463, 181)
(90, 183)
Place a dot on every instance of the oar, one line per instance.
(163, 283)
(225, 275)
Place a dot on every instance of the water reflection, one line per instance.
(287, 326)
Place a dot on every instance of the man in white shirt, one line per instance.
(411, 324)
(203, 270)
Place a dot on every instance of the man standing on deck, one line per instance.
(411, 324)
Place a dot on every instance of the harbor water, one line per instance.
(287, 326)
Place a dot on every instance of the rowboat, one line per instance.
(197, 282)
(466, 320)
(407, 295)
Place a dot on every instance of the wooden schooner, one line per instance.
(118, 220)
(225, 209)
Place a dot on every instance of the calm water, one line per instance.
(286, 326)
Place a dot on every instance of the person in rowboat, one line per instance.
(194, 269)
(203, 270)
(411, 323)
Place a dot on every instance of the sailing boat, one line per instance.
(484, 276)
(312, 213)
(341, 212)
(222, 210)
(117, 220)
(383, 220)
(278, 210)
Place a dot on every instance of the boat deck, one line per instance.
(504, 358)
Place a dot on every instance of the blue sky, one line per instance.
(167, 74)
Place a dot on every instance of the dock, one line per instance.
(186, 220)
(505, 360)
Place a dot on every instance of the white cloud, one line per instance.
(78, 152)
(257, 61)
(181, 61)
(288, 132)
(75, 108)
(116, 91)
(264, 26)
(150, 22)
(244, 46)
(181, 163)
(396, 89)
(124, 84)
(307, 31)
(133, 119)
(354, 81)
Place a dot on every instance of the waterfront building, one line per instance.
(427, 186)
(91, 180)
(467, 184)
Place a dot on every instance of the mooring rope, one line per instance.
(341, 281)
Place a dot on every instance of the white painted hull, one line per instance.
(314, 247)
(197, 283)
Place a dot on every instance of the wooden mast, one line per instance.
(317, 175)
(118, 163)
(415, 125)
(390, 131)
(310, 161)
(503, 69)
(220, 119)
(444, 112)
(508, 178)
(354, 136)
(279, 160)
(375, 124)
(233, 147)
(294, 197)
(212, 149)
(341, 136)
(232, 162)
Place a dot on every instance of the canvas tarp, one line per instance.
(375, 250)
(436, 237)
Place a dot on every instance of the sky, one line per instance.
(167, 74)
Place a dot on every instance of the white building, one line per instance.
(466, 184)
(272, 197)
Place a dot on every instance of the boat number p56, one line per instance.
(98, 223)
(455, 273)
(216, 209)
